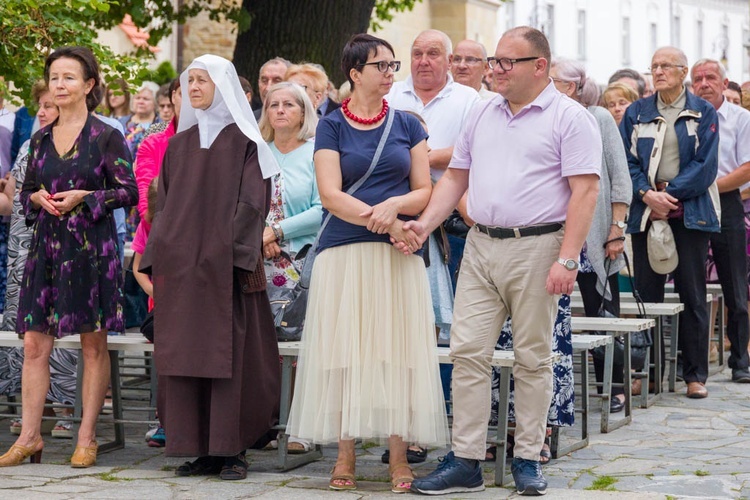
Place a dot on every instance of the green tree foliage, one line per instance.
(31, 29)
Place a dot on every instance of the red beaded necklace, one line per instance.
(364, 121)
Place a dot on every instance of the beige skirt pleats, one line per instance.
(368, 367)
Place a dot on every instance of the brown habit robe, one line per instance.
(215, 344)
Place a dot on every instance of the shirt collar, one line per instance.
(678, 103)
(724, 108)
(542, 101)
(445, 91)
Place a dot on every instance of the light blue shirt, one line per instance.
(301, 202)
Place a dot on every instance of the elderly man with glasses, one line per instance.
(531, 160)
(469, 65)
(672, 145)
(431, 92)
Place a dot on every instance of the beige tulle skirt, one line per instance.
(368, 367)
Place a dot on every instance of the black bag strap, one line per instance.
(607, 266)
(307, 270)
(636, 295)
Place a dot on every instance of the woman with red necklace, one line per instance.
(368, 367)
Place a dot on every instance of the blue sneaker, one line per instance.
(451, 476)
(528, 477)
(159, 439)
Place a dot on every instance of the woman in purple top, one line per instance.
(79, 170)
(368, 367)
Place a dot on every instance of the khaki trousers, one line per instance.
(501, 278)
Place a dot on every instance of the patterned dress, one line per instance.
(73, 277)
(62, 361)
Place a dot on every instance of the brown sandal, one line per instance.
(343, 481)
(398, 480)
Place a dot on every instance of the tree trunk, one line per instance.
(300, 31)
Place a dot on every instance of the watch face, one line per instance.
(571, 265)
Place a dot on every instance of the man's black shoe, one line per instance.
(528, 477)
(741, 375)
(453, 475)
(615, 405)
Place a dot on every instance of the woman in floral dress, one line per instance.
(62, 361)
(79, 170)
(288, 123)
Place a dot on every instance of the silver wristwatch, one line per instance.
(619, 223)
(569, 264)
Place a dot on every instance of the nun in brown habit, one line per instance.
(216, 352)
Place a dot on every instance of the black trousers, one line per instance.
(729, 249)
(690, 284)
(592, 301)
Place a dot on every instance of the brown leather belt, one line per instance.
(518, 232)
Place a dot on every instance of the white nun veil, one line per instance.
(229, 106)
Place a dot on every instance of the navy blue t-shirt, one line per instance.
(356, 149)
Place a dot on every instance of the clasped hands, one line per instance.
(60, 203)
(661, 204)
(383, 218)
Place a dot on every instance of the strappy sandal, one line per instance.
(343, 481)
(398, 481)
(235, 468)
(201, 466)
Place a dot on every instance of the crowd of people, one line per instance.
(460, 205)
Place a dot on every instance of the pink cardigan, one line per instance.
(147, 165)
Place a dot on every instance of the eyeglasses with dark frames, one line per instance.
(384, 65)
(506, 64)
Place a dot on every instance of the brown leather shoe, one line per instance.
(696, 390)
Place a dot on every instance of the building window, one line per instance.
(626, 41)
(582, 35)
(676, 31)
(654, 38)
(549, 28)
(699, 39)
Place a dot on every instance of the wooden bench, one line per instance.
(715, 290)
(115, 345)
(501, 359)
(582, 343)
(657, 311)
(615, 327)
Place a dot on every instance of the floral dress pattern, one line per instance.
(73, 277)
(62, 361)
(562, 408)
(279, 271)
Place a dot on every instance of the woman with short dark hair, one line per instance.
(368, 367)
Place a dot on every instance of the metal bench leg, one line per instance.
(501, 442)
(286, 461)
(607, 384)
(673, 350)
(119, 441)
(722, 328)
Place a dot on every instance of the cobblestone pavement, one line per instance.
(678, 448)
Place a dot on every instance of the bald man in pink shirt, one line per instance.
(530, 159)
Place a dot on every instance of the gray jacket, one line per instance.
(615, 186)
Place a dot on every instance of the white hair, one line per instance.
(447, 44)
(706, 60)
